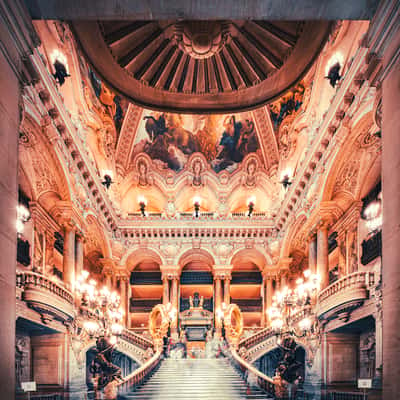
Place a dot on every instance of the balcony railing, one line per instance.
(351, 288)
(143, 305)
(248, 305)
(45, 295)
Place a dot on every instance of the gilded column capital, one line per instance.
(68, 216)
(170, 272)
(222, 271)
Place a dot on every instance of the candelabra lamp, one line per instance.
(291, 312)
(100, 319)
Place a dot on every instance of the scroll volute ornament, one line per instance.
(158, 324)
(233, 320)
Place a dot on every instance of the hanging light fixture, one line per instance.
(100, 309)
(23, 216)
(290, 313)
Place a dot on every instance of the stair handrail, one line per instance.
(136, 339)
(263, 381)
(257, 338)
(139, 375)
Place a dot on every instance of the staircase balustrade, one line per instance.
(257, 338)
(138, 376)
(136, 340)
(244, 368)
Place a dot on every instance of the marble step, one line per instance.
(200, 379)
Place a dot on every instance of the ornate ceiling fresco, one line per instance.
(201, 66)
(170, 139)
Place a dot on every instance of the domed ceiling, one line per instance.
(201, 66)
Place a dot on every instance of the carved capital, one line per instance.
(170, 272)
(68, 216)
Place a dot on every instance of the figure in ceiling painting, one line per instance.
(170, 139)
(113, 104)
(100, 98)
(288, 104)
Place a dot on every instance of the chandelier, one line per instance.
(291, 311)
(100, 309)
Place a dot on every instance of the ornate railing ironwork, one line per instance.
(143, 305)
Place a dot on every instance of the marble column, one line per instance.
(218, 303)
(174, 302)
(312, 254)
(218, 293)
(227, 290)
(263, 302)
(79, 256)
(166, 299)
(17, 34)
(268, 293)
(69, 256)
(322, 255)
(391, 231)
(124, 286)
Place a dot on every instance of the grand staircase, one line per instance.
(195, 379)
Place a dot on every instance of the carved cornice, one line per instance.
(67, 215)
(127, 135)
(325, 143)
(41, 219)
(70, 144)
(267, 138)
(349, 219)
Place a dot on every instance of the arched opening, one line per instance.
(145, 286)
(196, 276)
(246, 285)
(269, 362)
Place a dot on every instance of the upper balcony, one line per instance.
(345, 293)
(49, 298)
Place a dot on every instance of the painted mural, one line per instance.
(289, 104)
(100, 98)
(169, 139)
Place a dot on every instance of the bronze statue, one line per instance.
(102, 365)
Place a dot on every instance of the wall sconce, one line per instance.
(285, 179)
(196, 205)
(142, 205)
(107, 181)
(251, 201)
(23, 216)
(60, 64)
